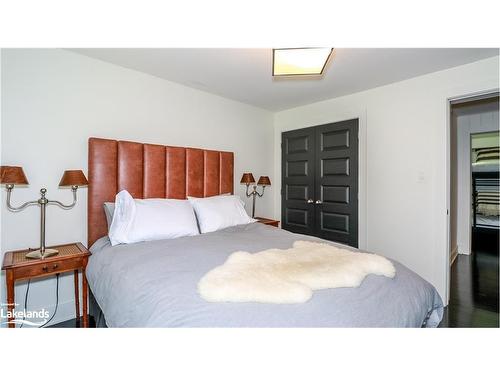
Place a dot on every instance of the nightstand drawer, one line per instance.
(48, 268)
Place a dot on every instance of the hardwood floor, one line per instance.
(73, 323)
(474, 288)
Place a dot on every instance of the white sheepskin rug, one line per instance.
(291, 275)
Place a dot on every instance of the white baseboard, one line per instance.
(453, 255)
(465, 250)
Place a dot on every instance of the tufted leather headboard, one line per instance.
(151, 171)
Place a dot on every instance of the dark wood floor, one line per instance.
(474, 286)
(73, 323)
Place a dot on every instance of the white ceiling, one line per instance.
(245, 74)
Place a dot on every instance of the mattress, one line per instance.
(154, 284)
(486, 166)
(487, 221)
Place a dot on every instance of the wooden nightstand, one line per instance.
(272, 222)
(71, 257)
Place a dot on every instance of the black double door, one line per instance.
(319, 183)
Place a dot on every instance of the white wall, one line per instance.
(404, 168)
(468, 120)
(54, 100)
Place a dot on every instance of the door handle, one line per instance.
(310, 201)
(318, 201)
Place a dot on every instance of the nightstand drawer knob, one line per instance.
(54, 266)
(45, 268)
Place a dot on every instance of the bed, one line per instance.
(154, 284)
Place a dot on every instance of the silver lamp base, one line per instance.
(37, 254)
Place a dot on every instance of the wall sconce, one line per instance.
(248, 179)
(11, 176)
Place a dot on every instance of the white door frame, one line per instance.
(458, 98)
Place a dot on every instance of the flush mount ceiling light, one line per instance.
(300, 61)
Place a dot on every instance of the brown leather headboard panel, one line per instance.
(151, 171)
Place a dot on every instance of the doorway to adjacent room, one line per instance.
(474, 213)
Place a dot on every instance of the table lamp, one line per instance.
(11, 176)
(248, 179)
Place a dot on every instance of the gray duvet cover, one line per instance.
(154, 284)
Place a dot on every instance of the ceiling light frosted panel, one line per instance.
(300, 61)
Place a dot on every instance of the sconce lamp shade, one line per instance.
(247, 178)
(73, 178)
(12, 175)
(264, 180)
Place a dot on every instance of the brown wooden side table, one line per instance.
(71, 257)
(263, 220)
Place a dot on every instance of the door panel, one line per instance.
(333, 222)
(335, 167)
(336, 182)
(298, 166)
(335, 194)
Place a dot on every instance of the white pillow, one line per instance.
(109, 210)
(219, 212)
(136, 220)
